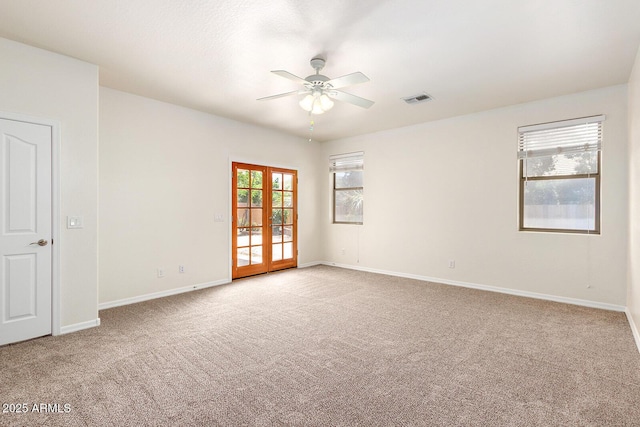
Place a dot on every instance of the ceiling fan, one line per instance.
(320, 90)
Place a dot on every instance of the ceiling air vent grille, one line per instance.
(417, 99)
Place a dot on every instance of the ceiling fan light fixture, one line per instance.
(307, 102)
(326, 102)
(316, 102)
(317, 107)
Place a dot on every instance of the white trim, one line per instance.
(346, 162)
(346, 155)
(56, 305)
(563, 123)
(229, 218)
(554, 298)
(79, 326)
(312, 264)
(634, 328)
(161, 294)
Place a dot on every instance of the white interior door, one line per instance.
(25, 215)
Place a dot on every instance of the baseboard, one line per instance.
(161, 294)
(634, 328)
(79, 326)
(574, 301)
(311, 264)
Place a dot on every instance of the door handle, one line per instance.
(40, 242)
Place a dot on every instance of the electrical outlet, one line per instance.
(181, 269)
(452, 263)
(161, 272)
(342, 251)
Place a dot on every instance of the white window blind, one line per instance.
(560, 175)
(346, 162)
(569, 136)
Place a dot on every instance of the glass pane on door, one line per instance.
(256, 198)
(256, 236)
(288, 250)
(287, 234)
(242, 257)
(276, 252)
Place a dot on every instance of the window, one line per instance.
(348, 195)
(560, 175)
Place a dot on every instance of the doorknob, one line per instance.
(40, 242)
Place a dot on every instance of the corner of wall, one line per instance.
(633, 244)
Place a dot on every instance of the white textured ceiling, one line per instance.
(215, 55)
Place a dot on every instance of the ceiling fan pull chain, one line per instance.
(311, 123)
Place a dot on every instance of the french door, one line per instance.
(264, 219)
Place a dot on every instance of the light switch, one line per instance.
(218, 217)
(74, 222)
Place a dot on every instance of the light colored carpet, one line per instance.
(324, 346)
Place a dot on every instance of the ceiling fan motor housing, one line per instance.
(317, 80)
(317, 64)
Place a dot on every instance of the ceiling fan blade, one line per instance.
(280, 95)
(348, 80)
(351, 99)
(288, 75)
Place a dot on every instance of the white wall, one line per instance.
(164, 174)
(42, 84)
(633, 291)
(430, 195)
(448, 190)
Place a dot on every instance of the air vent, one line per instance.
(417, 99)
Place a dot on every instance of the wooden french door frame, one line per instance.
(264, 219)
